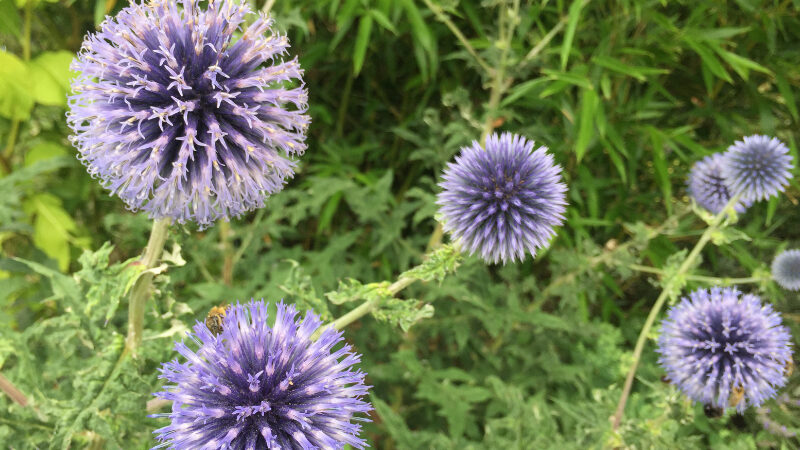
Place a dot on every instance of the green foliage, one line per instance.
(626, 94)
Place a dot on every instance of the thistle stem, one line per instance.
(367, 307)
(705, 279)
(12, 392)
(8, 152)
(227, 252)
(439, 13)
(662, 298)
(141, 290)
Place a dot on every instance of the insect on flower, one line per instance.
(215, 318)
(262, 384)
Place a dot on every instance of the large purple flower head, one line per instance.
(254, 386)
(707, 186)
(185, 113)
(786, 270)
(718, 343)
(504, 200)
(757, 167)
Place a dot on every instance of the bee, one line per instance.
(215, 318)
(737, 395)
(788, 369)
(712, 412)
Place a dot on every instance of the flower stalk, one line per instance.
(141, 290)
(669, 285)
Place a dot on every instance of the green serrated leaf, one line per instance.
(64, 287)
(441, 262)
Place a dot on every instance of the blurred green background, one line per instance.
(626, 94)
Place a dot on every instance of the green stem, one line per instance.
(702, 278)
(669, 284)
(606, 258)
(12, 392)
(141, 290)
(227, 252)
(498, 88)
(8, 152)
(368, 306)
(439, 13)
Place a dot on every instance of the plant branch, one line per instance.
(367, 307)
(444, 18)
(710, 280)
(669, 284)
(12, 392)
(227, 252)
(8, 152)
(498, 87)
(605, 258)
(141, 290)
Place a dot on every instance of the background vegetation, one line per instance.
(626, 94)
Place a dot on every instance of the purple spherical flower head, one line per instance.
(504, 200)
(786, 270)
(185, 113)
(718, 340)
(707, 186)
(757, 167)
(254, 386)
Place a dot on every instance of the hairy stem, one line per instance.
(227, 252)
(606, 258)
(440, 14)
(498, 87)
(141, 290)
(11, 142)
(367, 307)
(12, 392)
(710, 280)
(669, 284)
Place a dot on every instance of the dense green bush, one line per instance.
(626, 94)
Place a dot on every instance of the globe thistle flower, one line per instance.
(757, 167)
(255, 386)
(786, 270)
(707, 186)
(724, 348)
(185, 113)
(503, 200)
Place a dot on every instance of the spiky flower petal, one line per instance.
(504, 200)
(258, 386)
(185, 113)
(757, 167)
(718, 341)
(786, 270)
(707, 186)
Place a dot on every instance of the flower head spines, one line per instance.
(261, 386)
(504, 200)
(718, 340)
(786, 270)
(180, 118)
(757, 167)
(707, 186)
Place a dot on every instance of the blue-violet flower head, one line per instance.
(757, 167)
(504, 200)
(257, 386)
(719, 341)
(707, 186)
(786, 270)
(185, 113)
